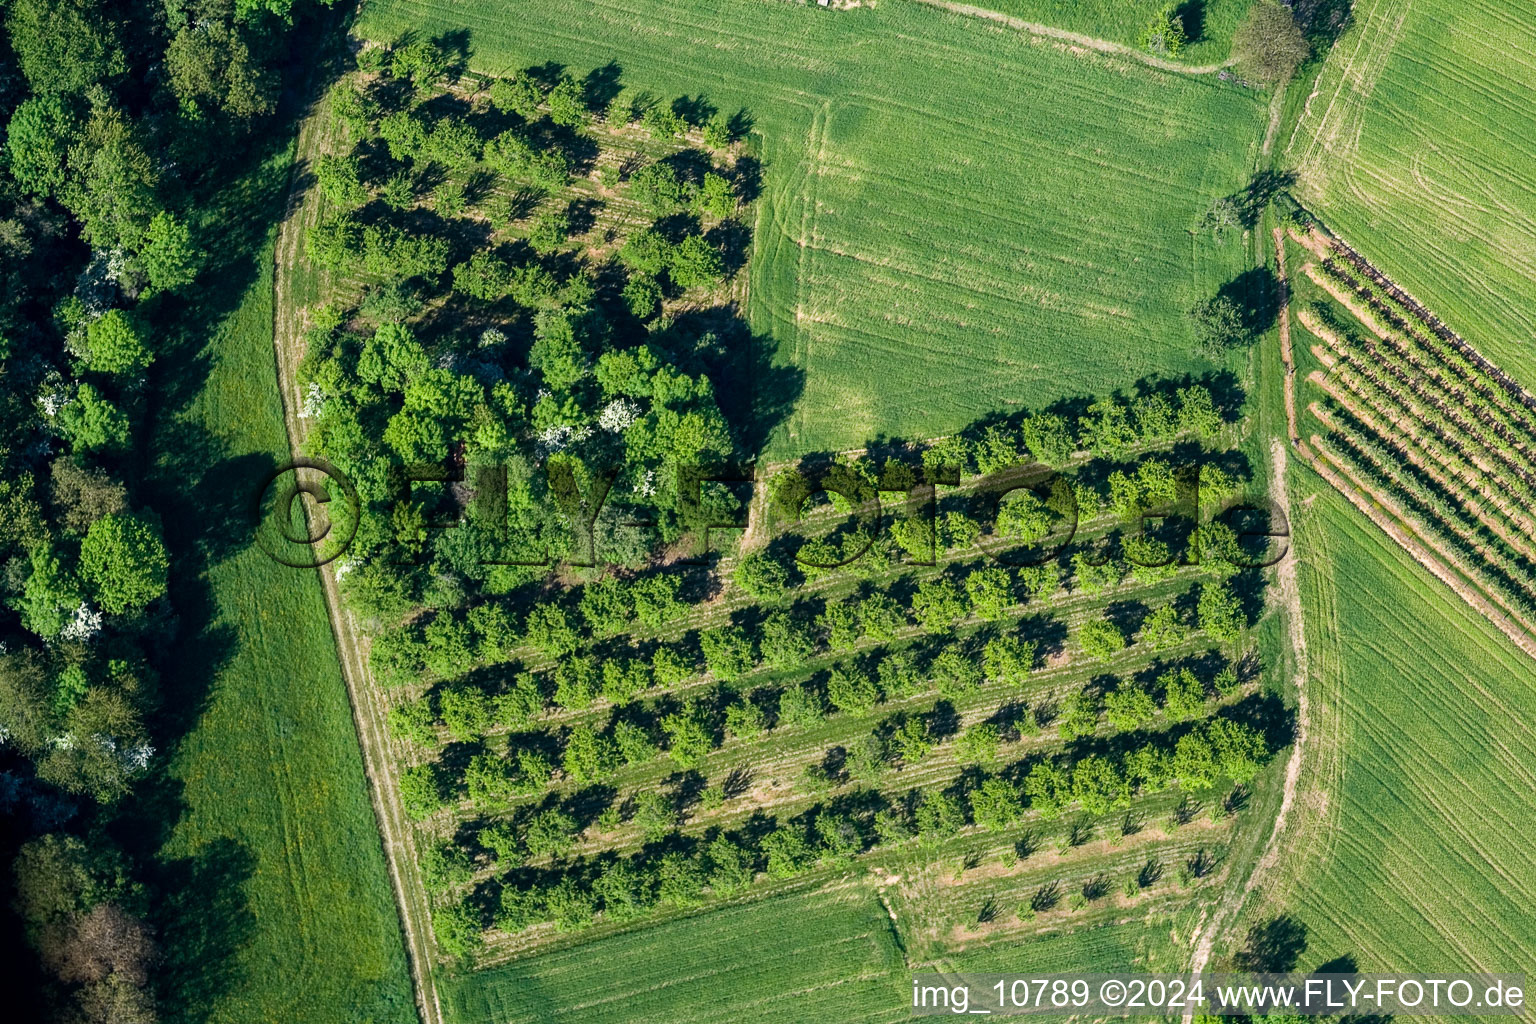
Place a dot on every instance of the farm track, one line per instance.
(366, 699)
(1079, 39)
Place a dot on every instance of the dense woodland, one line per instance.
(121, 120)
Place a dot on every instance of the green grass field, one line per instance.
(282, 910)
(1413, 148)
(807, 956)
(1407, 851)
(933, 243)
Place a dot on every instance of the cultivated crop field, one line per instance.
(901, 212)
(800, 956)
(1408, 846)
(1415, 145)
(1410, 412)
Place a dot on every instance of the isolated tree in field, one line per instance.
(1268, 44)
(1222, 216)
(1164, 33)
(1218, 325)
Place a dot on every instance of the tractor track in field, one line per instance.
(365, 698)
(1290, 598)
(1035, 28)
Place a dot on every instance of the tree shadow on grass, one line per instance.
(203, 921)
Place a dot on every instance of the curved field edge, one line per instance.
(1407, 850)
(282, 907)
(935, 246)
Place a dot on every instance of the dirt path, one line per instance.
(1078, 39)
(367, 700)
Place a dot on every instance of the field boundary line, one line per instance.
(363, 696)
(1064, 35)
